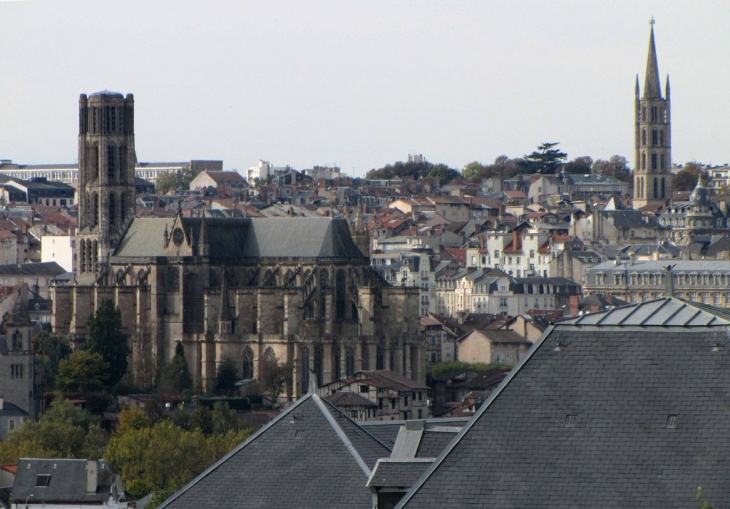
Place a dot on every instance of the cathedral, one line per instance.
(245, 290)
(653, 175)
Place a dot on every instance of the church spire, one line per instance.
(637, 88)
(666, 89)
(652, 87)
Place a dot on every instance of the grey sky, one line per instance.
(361, 83)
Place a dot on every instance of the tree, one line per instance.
(686, 178)
(443, 173)
(178, 179)
(617, 167)
(50, 350)
(275, 378)
(82, 372)
(579, 165)
(225, 379)
(546, 159)
(174, 376)
(64, 431)
(106, 338)
(474, 171)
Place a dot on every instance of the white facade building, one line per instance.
(60, 249)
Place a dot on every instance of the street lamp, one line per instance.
(26, 500)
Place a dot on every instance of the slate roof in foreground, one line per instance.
(601, 413)
(311, 455)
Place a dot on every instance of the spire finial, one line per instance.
(652, 21)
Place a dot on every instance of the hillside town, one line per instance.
(515, 334)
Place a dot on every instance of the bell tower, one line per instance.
(653, 173)
(106, 187)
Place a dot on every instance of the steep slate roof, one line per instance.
(387, 431)
(67, 483)
(230, 237)
(311, 455)
(622, 408)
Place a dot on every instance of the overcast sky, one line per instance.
(360, 83)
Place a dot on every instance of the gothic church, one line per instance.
(245, 290)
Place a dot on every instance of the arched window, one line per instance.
(82, 254)
(269, 360)
(656, 188)
(349, 361)
(96, 209)
(110, 160)
(122, 207)
(17, 340)
(112, 210)
(304, 356)
(318, 362)
(379, 358)
(664, 187)
(643, 161)
(340, 295)
(248, 363)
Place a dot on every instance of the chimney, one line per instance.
(669, 282)
(92, 476)
(632, 257)
(656, 253)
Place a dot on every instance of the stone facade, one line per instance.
(653, 176)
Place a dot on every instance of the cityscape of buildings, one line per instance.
(559, 304)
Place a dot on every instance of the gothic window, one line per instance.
(654, 114)
(304, 356)
(17, 340)
(665, 116)
(661, 138)
(643, 161)
(349, 361)
(366, 356)
(213, 278)
(318, 362)
(173, 279)
(96, 209)
(656, 188)
(194, 315)
(664, 186)
(654, 137)
(94, 119)
(110, 159)
(122, 207)
(662, 165)
(94, 256)
(643, 137)
(248, 363)
(336, 356)
(643, 114)
(113, 119)
(653, 162)
(269, 279)
(269, 361)
(341, 297)
(112, 210)
(379, 358)
(323, 286)
(82, 254)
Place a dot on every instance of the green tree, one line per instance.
(82, 372)
(174, 376)
(50, 350)
(579, 165)
(275, 378)
(443, 173)
(546, 159)
(65, 431)
(225, 379)
(106, 338)
(178, 179)
(474, 171)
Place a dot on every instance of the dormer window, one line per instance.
(43, 480)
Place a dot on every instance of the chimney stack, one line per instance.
(92, 476)
(669, 282)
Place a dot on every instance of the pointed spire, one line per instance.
(666, 89)
(358, 216)
(637, 87)
(652, 87)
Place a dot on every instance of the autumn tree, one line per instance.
(579, 165)
(686, 178)
(617, 167)
(64, 431)
(106, 338)
(178, 179)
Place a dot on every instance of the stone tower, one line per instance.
(653, 176)
(106, 190)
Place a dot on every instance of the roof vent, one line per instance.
(558, 347)
(716, 348)
(671, 422)
(570, 420)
